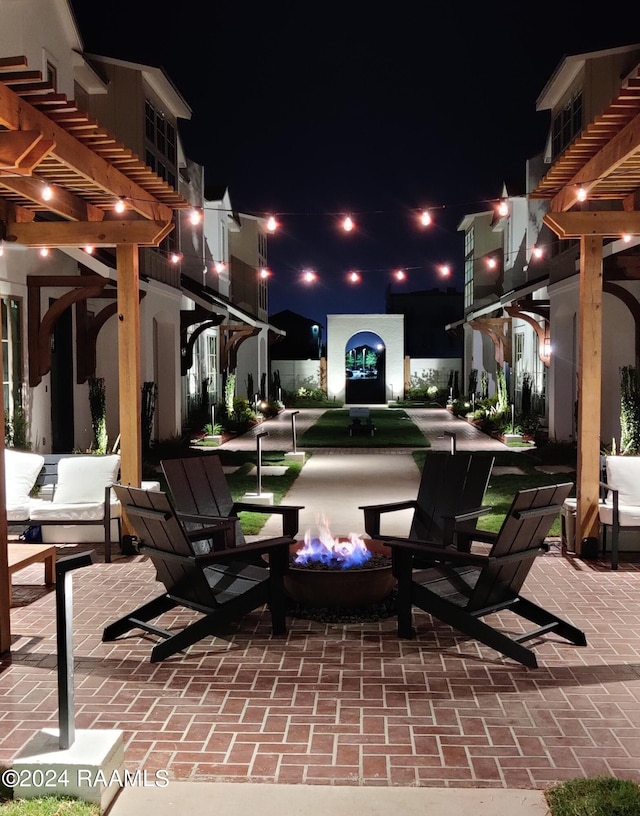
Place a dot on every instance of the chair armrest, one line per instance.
(470, 514)
(268, 545)
(372, 513)
(197, 518)
(422, 549)
(290, 514)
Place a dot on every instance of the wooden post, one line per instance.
(129, 366)
(5, 578)
(589, 387)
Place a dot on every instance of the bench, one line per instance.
(72, 490)
(24, 555)
(360, 422)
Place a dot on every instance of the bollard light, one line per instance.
(293, 430)
(259, 461)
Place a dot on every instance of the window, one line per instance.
(161, 148)
(469, 241)
(566, 125)
(52, 75)
(12, 355)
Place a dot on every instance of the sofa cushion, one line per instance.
(21, 471)
(623, 474)
(82, 479)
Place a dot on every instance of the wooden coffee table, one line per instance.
(23, 555)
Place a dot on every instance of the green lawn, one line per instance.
(502, 488)
(393, 429)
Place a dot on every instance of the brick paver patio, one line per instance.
(344, 704)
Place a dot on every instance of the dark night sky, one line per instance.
(313, 110)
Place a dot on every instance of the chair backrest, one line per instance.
(198, 486)
(450, 484)
(164, 540)
(623, 474)
(518, 543)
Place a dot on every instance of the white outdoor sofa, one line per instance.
(73, 490)
(619, 507)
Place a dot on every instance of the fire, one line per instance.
(322, 546)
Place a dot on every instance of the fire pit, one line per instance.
(338, 572)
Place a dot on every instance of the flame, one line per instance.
(322, 546)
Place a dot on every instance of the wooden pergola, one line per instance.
(46, 143)
(605, 162)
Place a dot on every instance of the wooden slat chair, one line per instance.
(223, 583)
(199, 487)
(461, 588)
(449, 500)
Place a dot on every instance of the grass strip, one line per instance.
(599, 796)
(394, 429)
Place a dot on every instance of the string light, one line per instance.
(309, 276)
(272, 224)
(44, 251)
(220, 266)
(120, 206)
(400, 274)
(195, 217)
(347, 224)
(354, 277)
(581, 195)
(537, 252)
(175, 257)
(445, 270)
(503, 208)
(264, 273)
(626, 237)
(47, 193)
(89, 250)
(492, 263)
(425, 218)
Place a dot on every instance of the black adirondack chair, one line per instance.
(222, 581)
(460, 588)
(448, 504)
(198, 487)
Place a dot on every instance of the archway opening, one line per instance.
(365, 369)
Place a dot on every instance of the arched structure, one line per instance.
(390, 329)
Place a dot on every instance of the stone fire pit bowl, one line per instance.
(351, 587)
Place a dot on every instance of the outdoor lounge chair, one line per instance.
(199, 487)
(460, 588)
(449, 501)
(223, 583)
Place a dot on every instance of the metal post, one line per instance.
(293, 430)
(64, 639)
(453, 440)
(259, 461)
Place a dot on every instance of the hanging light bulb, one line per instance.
(400, 274)
(89, 250)
(354, 277)
(538, 252)
(626, 237)
(425, 218)
(347, 224)
(220, 267)
(195, 217)
(119, 206)
(272, 224)
(44, 251)
(581, 195)
(264, 273)
(47, 193)
(445, 270)
(492, 263)
(175, 257)
(503, 208)
(309, 276)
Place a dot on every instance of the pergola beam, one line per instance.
(602, 223)
(16, 114)
(619, 149)
(62, 202)
(88, 233)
